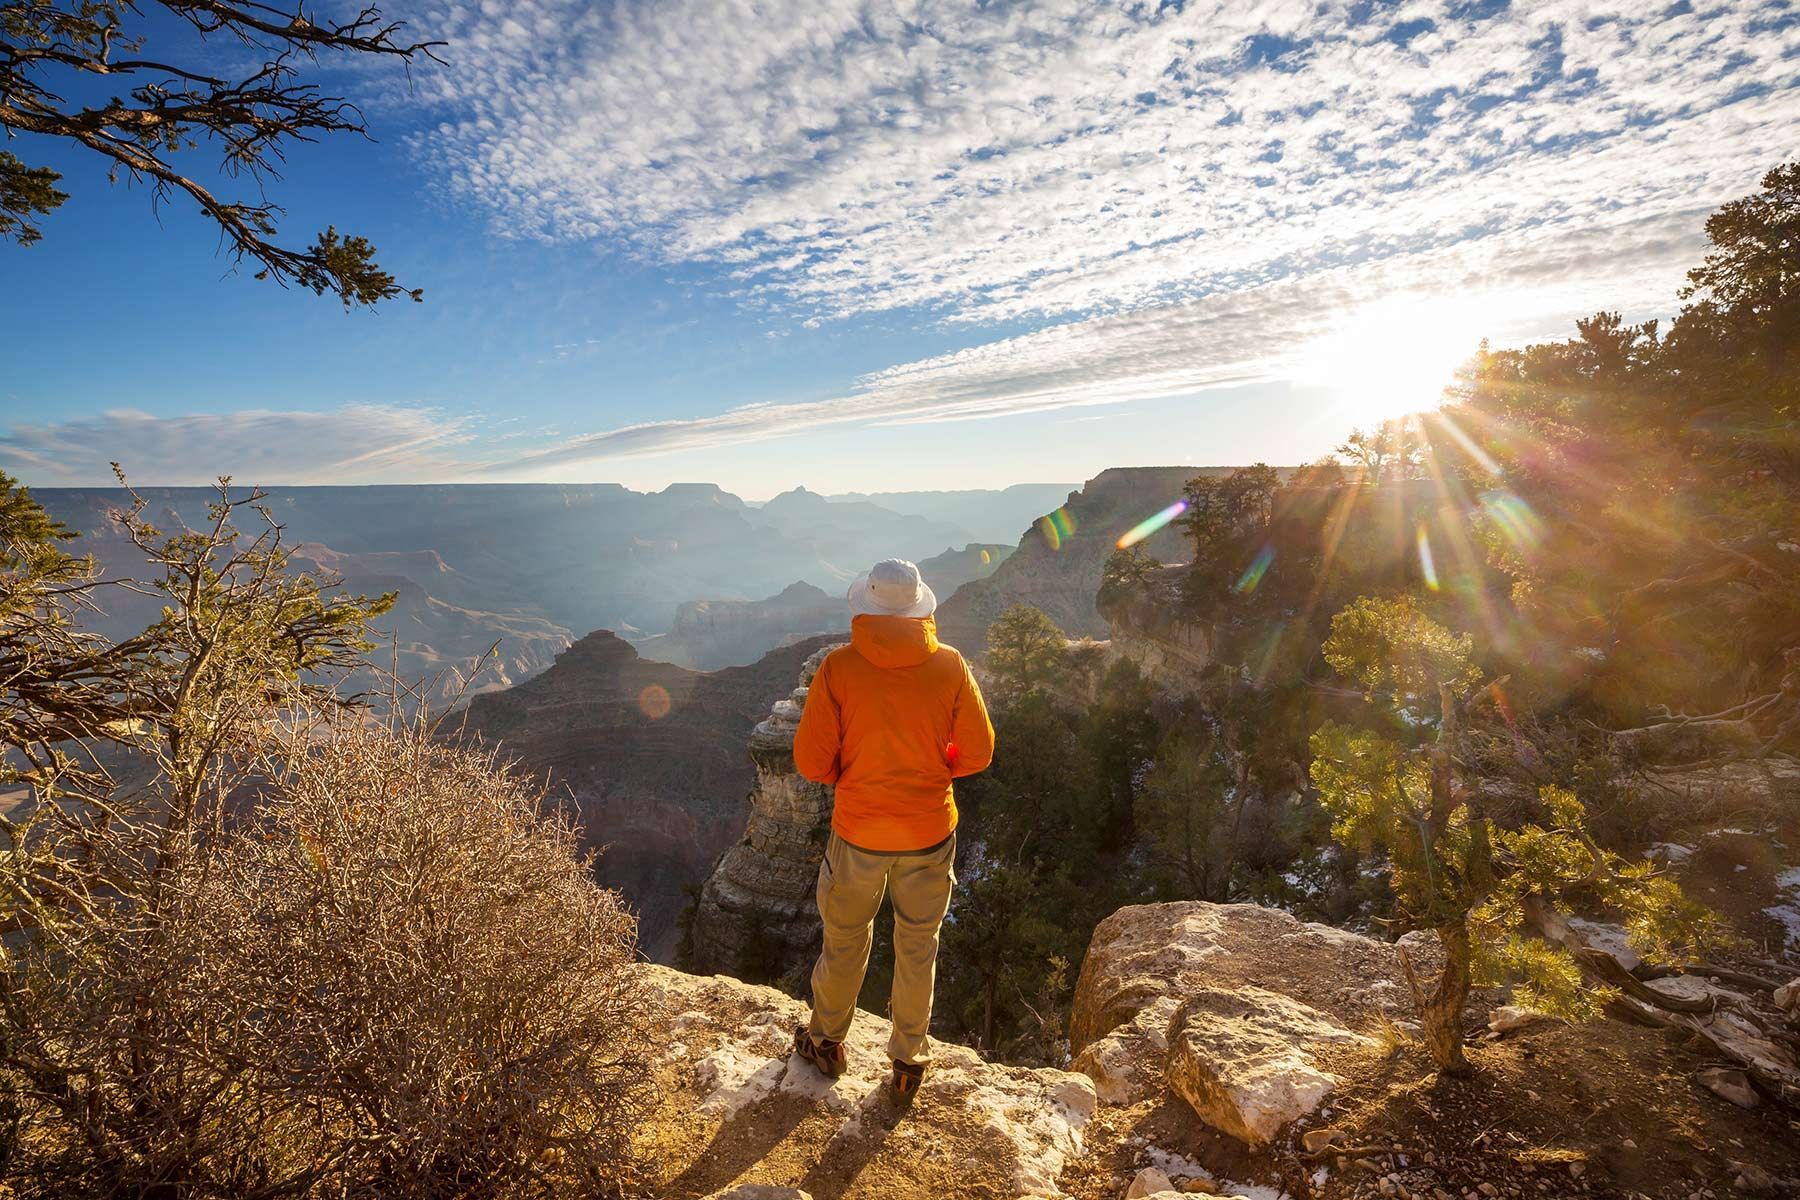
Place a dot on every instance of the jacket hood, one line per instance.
(894, 641)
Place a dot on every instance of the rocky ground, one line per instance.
(1234, 1051)
(739, 1108)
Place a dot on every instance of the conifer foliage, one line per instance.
(245, 108)
(1395, 786)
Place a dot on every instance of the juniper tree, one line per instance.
(62, 681)
(1026, 651)
(245, 107)
(1395, 786)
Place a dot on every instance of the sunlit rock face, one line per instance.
(1244, 1059)
(1145, 624)
(1227, 1004)
(1060, 560)
(756, 917)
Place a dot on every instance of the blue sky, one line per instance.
(878, 246)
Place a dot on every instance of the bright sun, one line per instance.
(1393, 357)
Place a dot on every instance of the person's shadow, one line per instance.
(771, 1105)
(852, 1147)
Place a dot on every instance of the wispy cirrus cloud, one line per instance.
(1189, 346)
(353, 444)
(999, 161)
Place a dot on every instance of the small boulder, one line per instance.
(1149, 1181)
(1242, 1058)
(1510, 1018)
(760, 1191)
(1315, 1140)
(1126, 1065)
(1753, 1179)
(1787, 997)
(1729, 1085)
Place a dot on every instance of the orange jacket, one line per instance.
(880, 721)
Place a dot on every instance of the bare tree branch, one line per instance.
(172, 107)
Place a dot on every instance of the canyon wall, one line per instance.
(649, 757)
(1061, 558)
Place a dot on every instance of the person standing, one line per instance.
(890, 720)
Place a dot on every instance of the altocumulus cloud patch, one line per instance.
(998, 161)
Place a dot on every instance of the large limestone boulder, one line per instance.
(1243, 1058)
(1313, 984)
(737, 1108)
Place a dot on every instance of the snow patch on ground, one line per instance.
(1043, 1125)
(1786, 909)
(1179, 1166)
(749, 1068)
(1252, 1191)
(1174, 1165)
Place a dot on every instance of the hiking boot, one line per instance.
(906, 1080)
(828, 1056)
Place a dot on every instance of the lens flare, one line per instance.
(1254, 573)
(1514, 519)
(1469, 445)
(1150, 525)
(1427, 568)
(1057, 527)
(654, 702)
(986, 558)
(1271, 644)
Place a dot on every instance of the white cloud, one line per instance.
(1004, 161)
(1525, 288)
(353, 444)
(1166, 197)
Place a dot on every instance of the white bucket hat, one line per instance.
(892, 588)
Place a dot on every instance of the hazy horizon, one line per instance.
(834, 496)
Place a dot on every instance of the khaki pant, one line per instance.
(851, 884)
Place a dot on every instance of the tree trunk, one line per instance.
(1442, 1010)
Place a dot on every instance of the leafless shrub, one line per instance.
(392, 977)
(437, 995)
